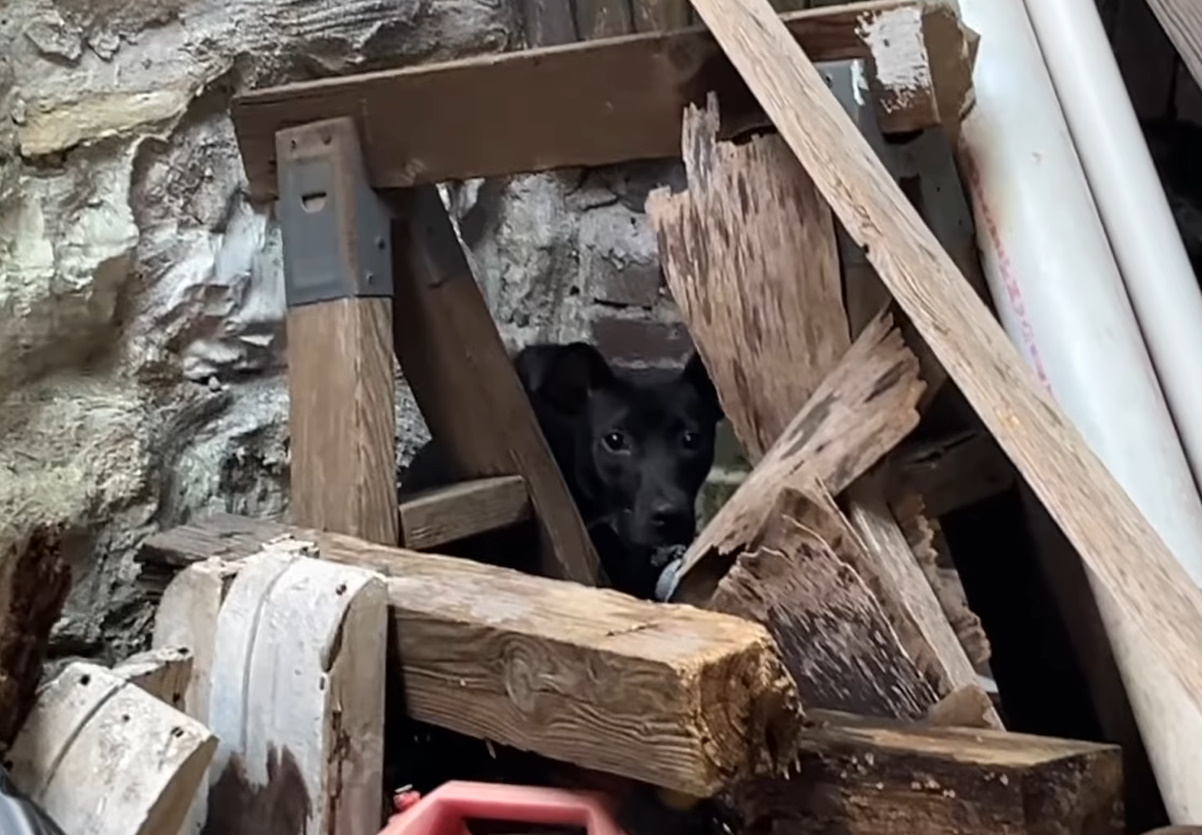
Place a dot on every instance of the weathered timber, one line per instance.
(675, 696)
(748, 251)
(465, 384)
(305, 757)
(163, 672)
(103, 756)
(1126, 558)
(341, 378)
(34, 581)
(860, 777)
(592, 103)
(862, 409)
(446, 514)
(808, 587)
(750, 254)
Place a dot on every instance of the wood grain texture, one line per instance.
(811, 589)
(445, 514)
(861, 777)
(103, 757)
(34, 582)
(465, 383)
(749, 253)
(676, 696)
(1117, 544)
(587, 104)
(906, 583)
(341, 384)
(1182, 22)
(863, 408)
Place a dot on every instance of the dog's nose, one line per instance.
(673, 522)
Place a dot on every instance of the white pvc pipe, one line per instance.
(1061, 300)
(1139, 223)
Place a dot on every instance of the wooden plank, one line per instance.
(859, 412)
(675, 696)
(445, 514)
(860, 777)
(187, 616)
(297, 697)
(104, 757)
(34, 582)
(465, 383)
(1122, 551)
(749, 253)
(811, 589)
(904, 578)
(595, 103)
(1182, 22)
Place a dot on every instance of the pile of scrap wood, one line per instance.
(824, 675)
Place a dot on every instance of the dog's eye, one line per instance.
(614, 441)
(690, 440)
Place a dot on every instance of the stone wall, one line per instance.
(140, 292)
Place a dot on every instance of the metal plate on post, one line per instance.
(336, 229)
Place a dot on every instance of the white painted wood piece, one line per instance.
(163, 672)
(103, 756)
(187, 617)
(298, 675)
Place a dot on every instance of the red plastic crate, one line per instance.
(445, 810)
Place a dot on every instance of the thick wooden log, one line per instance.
(600, 102)
(446, 514)
(679, 697)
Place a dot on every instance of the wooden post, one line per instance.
(338, 284)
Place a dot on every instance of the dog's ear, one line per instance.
(563, 375)
(697, 377)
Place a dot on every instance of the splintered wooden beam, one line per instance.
(596, 103)
(865, 777)
(679, 697)
(1127, 560)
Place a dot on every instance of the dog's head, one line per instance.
(634, 452)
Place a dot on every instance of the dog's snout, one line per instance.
(673, 520)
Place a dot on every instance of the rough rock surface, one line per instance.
(141, 299)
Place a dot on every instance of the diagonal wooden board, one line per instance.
(1115, 542)
(1182, 22)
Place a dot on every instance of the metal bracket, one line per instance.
(336, 229)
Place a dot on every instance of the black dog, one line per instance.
(633, 449)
